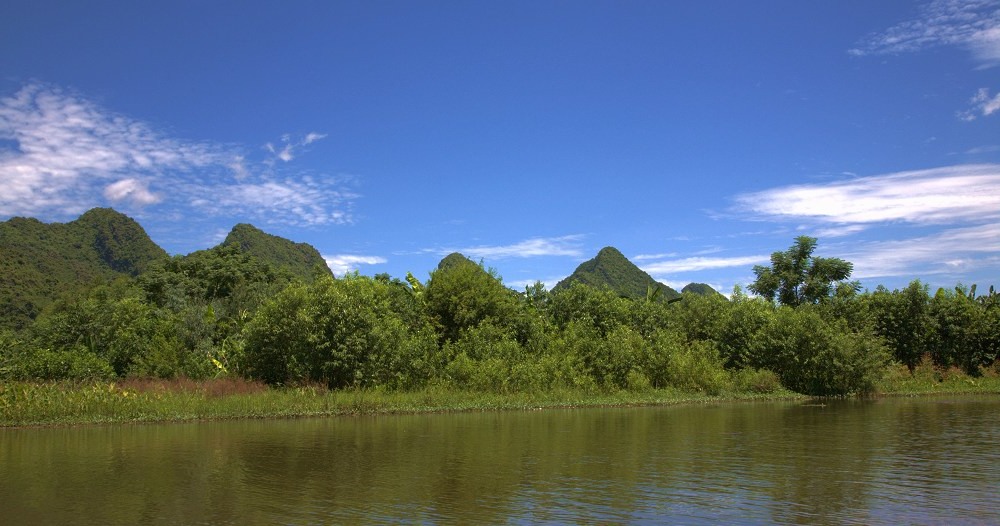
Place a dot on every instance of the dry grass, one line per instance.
(215, 388)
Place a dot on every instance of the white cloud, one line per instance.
(960, 205)
(692, 264)
(941, 195)
(979, 150)
(69, 150)
(534, 247)
(985, 45)
(61, 154)
(288, 152)
(974, 25)
(839, 231)
(313, 137)
(132, 190)
(958, 250)
(647, 257)
(341, 264)
(982, 105)
(294, 202)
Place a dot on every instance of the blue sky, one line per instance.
(696, 137)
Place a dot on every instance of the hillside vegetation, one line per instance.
(40, 262)
(301, 259)
(228, 313)
(702, 289)
(611, 269)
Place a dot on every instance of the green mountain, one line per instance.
(301, 259)
(41, 261)
(454, 259)
(699, 288)
(613, 270)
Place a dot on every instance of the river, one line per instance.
(887, 461)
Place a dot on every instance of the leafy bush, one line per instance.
(597, 308)
(338, 332)
(966, 332)
(739, 332)
(902, 318)
(693, 366)
(761, 381)
(461, 295)
(820, 358)
(70, 364)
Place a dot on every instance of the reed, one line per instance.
(182, 399)
(70, 403)
(927, 378)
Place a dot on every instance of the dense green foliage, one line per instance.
(300, 259)
(225, 312)
(798, 277)
(41, 262)
(341, 333)
(699, 288)
(613, 270)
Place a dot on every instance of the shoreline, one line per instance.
(34, 405)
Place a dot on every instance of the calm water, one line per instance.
(927, 461)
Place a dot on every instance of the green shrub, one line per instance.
(740, 329)
(760, 381)
(820, 358)
(342, 333)
(71, 364)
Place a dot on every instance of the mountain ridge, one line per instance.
(41, 262)
(610, 268)
(301, 259)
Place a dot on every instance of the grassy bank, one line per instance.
(926, 379)
(65, 403)
(72, 403)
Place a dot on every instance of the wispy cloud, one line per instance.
(839, 231)
(958, 251)
(341, 264)
(305, 201)
(692, 264)
(63, 154)
(133, 190)
(971, 24)
(981, 105)
(286, 150)
(979, 150)
(951, 194)
(529, 248)
(960, 203)
(647, 257)
(69, 152)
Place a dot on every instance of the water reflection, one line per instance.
(862, 462)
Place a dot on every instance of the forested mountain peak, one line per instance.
(610, 268)
(301, 259)
(120, 241)
(699, 288)
(40, 261)
(454, 259)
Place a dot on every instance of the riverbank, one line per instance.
(64, 403)
(132, 401)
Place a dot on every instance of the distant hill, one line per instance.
(301, 259)
(40, 261)
(699, 288)
(454, 259)
(613, 270)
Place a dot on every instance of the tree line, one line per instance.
(223, 312)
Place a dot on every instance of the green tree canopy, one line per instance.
(796, 276)
(461, 294)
